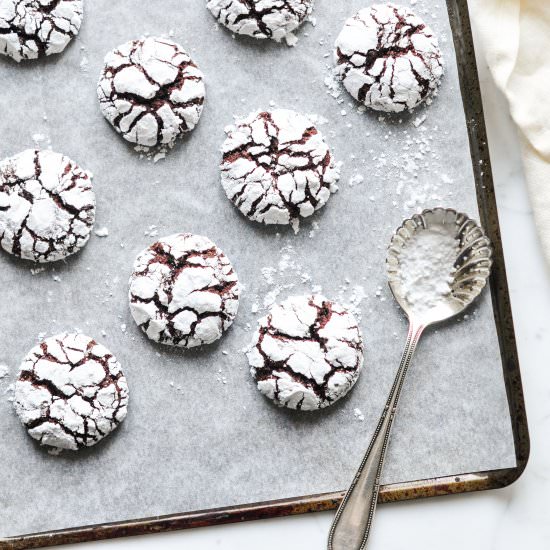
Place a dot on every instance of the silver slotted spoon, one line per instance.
(467, 265)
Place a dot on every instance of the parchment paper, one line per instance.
(217, 441)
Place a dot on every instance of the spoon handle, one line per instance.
(351, 526)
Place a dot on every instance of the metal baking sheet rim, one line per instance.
(468, 482)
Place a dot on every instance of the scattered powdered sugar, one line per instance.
(356, 179)
(220, 377)
(41, 140)
(271, 297)
(317, 120)
(289, 274)
(178, 388)
(161, 154)
(415, 175)
(84, 61)
(419, 120)
(314, 229)
(268, 274)
(102, 232)
(9, 392)
(84, 64)
(427, 266)
(37, 270)
(333, 84)
(291, 39)
(353, 301)
(4, 370)
(358, 415)
(55, 451)
(152, 231)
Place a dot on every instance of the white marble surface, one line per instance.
(511, 518)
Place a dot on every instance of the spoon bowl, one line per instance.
(438, 262)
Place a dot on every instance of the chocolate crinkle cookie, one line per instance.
(151, 92)
(32, 28)
(275, 19)
(307, 353)
(71, 392)
(388, 58)
(183, 291)
(47, 206)
(277, 167)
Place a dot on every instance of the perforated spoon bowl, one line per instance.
(442, 297)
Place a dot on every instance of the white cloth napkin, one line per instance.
(516, 38)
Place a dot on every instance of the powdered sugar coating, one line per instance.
(151, 92)
(277, 167)
(275, 19)
(31, 28)
(307, 353)
(47, 206)
(71, 392)
(183, 291)
(427, 266)
(388, 58)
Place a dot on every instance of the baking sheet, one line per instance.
(198, 434)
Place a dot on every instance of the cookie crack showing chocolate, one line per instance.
(47, 206)
(307, 353)
(151, 92)
(71, 392)
(276, 167)
(388, 58)
(183, 291)
(33, 28)
(274, 19)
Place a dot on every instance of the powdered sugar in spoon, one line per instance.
(438, 262)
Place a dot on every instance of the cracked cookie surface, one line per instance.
(183, 291)
(151, 92)
(306, 353)
(47, 206)
(388, 58)
(276, 167)
(71, 392)
(275, 19)
(32, 28)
